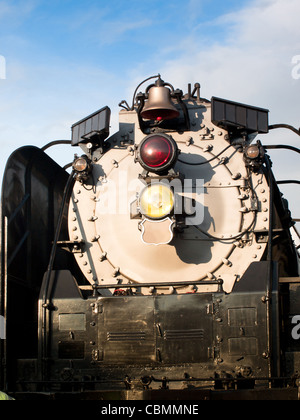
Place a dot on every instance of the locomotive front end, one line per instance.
(179, 242)
(170, 200)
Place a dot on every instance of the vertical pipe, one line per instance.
(45, 298)
(270, 260)
(2, 248)
(5, 285)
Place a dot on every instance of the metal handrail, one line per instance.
(218, 282)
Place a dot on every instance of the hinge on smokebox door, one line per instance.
(97, 307)
(214, 310)
(97, 355)
(214, 354)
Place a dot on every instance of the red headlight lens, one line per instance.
(157, 152)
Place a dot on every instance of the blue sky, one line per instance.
(69, 43)
(91, 29)
(65, 59)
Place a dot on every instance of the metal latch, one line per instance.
(97, 355)
(97, 308)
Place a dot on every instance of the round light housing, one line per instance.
(82, 168)
(156, 201)
(253, 152)
(80, 164)
(157, 152)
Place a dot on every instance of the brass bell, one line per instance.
(159, 105)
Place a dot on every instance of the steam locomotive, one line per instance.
(159, 264)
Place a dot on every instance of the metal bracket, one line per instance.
(97, 308)
(71, 246)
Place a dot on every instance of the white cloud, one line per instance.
(40, 102)
(252, 64)
(113, 31)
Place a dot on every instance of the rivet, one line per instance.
(236, 176)
(208, 148)
(103, 256)
(265, 355)
(93, 219)
(224, 160)
(116, 272)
